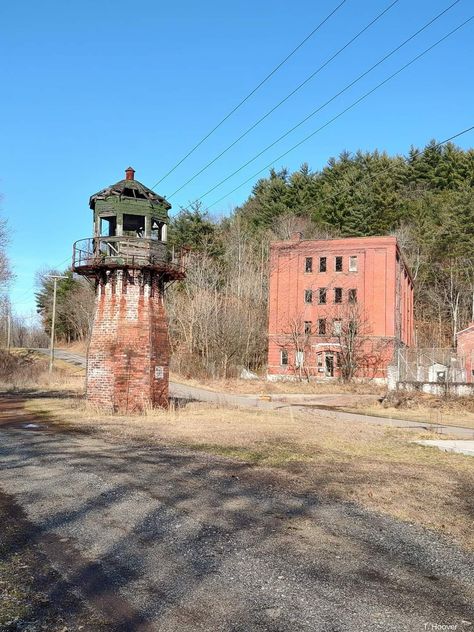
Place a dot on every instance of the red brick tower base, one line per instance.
(128, 359)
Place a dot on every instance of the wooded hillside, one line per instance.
(218, 315)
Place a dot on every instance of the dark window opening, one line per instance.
(338, 294)
(133, 225)
(329, 360)
(308, 296)
(322, 326)
(284, 357)
(338, 264)
(308, 265)
(307, 327)
(322, 296)
(108, 226)
(352, 296)
(352, 328)
(322, 264)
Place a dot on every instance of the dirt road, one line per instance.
(169, 540)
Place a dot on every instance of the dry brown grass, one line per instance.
(377, 467)
(263, 386)
(25, 369)
(452, 411)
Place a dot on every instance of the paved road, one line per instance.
(166, 540)
(325, 404)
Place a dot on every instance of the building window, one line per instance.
(352, 328)
(322, 264)
(284, 357)
(352, 264)
(299, 359)
(108, 226)
(320, 360)
(338, 264)
(338, 294)
(133, 225)
(157, 229)
(308, 296)
(322, 295)
(352, 296)
(322, 326)
(337, 327)
(308, 264)
(307, 327)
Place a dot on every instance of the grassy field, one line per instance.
(263, 386)
(380, 468)
(452, 411)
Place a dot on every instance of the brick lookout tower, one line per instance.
(130, 264)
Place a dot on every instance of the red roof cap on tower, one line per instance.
(130, 173)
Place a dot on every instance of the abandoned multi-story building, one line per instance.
(337, 307)
(130, 265)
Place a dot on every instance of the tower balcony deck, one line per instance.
(95, 254)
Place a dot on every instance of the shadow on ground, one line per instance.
(163, 539)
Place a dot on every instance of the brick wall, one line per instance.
(128, 355)
(371, 268)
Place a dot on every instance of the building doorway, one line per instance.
(329, 361)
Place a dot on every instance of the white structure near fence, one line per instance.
(433, 370)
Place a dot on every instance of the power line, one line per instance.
(252, 92)
(364, 96)
(349, 85)
(345, 110)
(288, 96)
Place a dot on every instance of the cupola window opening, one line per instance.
(158, 229)
(108, 226)
(133, 225)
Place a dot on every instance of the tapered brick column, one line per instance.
(128, 359)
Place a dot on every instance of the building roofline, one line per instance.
(291, 242)
(466, 329)
(381, 239)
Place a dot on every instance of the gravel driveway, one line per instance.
(170, 540)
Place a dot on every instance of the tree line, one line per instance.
(218, 315)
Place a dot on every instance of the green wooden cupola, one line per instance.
(130, 209)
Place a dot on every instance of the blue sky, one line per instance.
(90, 87)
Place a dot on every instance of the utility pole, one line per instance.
(9, 329)
(55, 278)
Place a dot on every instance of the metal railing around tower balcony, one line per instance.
(102, 252)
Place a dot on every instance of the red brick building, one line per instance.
(465, 351)
(337, 305)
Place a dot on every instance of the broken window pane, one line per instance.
(322, 326)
